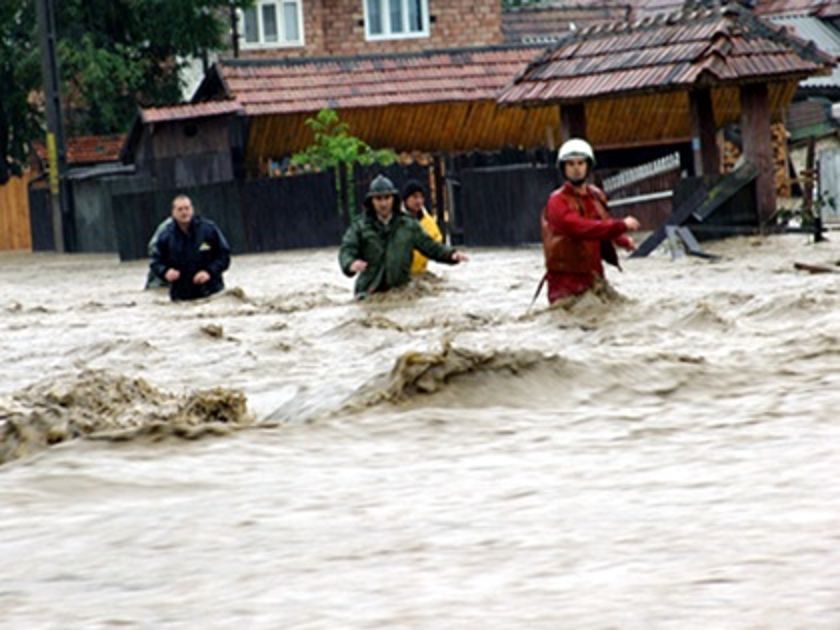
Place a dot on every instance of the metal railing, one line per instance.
(644, 171)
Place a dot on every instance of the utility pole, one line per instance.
(56, 153)
(234, 29)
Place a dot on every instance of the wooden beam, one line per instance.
(703, 139)
(755, 134)
(572, 121)
(700, 205)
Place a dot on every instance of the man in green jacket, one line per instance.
(379, 244)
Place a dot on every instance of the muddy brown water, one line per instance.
(284, 457)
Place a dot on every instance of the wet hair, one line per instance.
(412, 186)
(180, 197)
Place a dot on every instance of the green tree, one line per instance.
(20, 75)
(335, 146)
(113, 56)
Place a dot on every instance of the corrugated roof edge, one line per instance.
(779, 34)
(299, 61)
(537, 8)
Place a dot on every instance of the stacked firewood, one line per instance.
(779, 137)
(407, 158)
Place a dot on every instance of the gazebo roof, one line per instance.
(668, 52)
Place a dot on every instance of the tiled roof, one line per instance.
(776, 7)
(668, 51)
(811, 118)
(640, 9)
(830, 11)
(308, 85)
(88, 149)
(548, 23)
(807, 113)
(189, 110)
(645, 8)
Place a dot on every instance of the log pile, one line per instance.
(779, 140)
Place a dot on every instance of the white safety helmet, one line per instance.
(575, 148)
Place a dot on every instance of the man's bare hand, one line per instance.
(632, 223)
(358, 266)
(172, 275)
(459, 257)
(630, 244)
(202, 277)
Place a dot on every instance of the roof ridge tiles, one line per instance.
(554, 6)
(240, 63)
(680, 17)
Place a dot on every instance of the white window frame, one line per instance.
(387, 33)
(281, 26)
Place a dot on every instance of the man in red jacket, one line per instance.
(577, 231)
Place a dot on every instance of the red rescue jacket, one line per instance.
(577, 232)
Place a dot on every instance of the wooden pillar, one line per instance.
(703, 139)
(755, 137)
(439, 195)
(343, 191)
(572, 121)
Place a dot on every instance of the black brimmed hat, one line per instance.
(381, 185)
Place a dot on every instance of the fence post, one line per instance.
(340, 177)
(440, 194)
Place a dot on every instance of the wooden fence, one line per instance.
(830, 185)
(501, 205)
(14, 214)
(260, 215)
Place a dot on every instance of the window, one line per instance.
(272, 23)
(396, 19)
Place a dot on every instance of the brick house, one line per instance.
(317, 28)
(435, 67)
(425, 77)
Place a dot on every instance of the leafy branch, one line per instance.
(335, 146)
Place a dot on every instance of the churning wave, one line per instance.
(96, 404)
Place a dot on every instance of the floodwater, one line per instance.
(282, 456)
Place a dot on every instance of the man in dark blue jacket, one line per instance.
(191, 254)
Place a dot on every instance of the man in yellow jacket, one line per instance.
(414, 201)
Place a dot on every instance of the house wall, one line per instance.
(190, 153)
(829, 184)
(93, 218)
(207, 135)
(336, 27)
(14, 214)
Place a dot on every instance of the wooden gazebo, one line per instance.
(674, 77)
